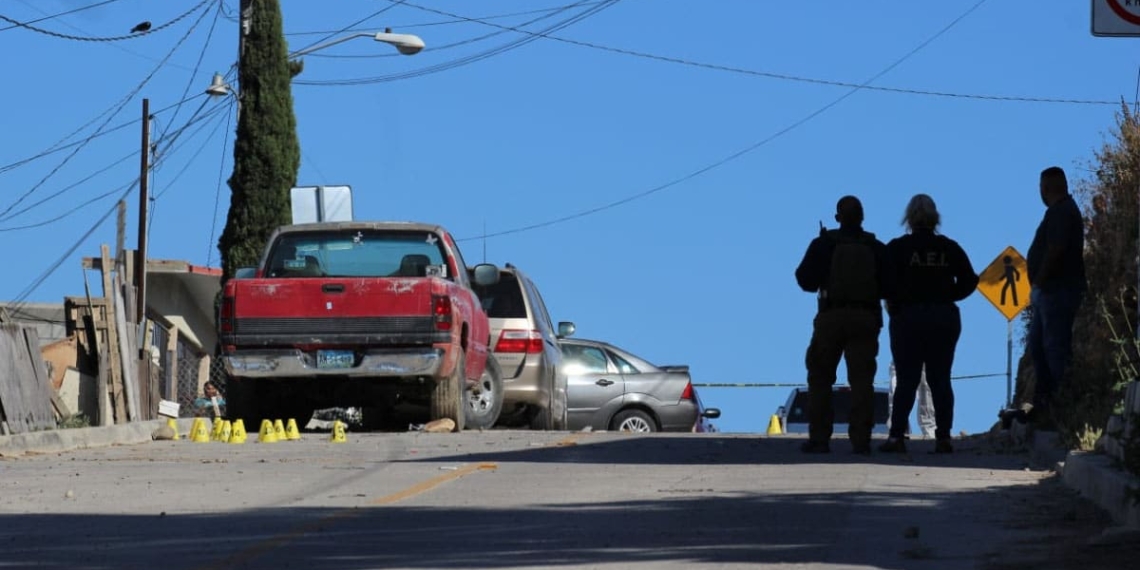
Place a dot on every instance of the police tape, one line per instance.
(801, 385)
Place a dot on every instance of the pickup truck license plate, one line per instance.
(335, 359)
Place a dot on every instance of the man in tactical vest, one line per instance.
(851, 273)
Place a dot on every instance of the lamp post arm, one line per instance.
(324, 45)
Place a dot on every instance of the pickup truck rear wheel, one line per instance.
(485, 400)
(448, 396)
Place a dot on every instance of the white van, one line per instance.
(793, 414)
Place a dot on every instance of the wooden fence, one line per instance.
(26, 395)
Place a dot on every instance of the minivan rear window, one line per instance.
(504, 299)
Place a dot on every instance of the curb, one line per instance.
(54, 441)
(1099, 480)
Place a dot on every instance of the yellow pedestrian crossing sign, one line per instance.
(1006, 283)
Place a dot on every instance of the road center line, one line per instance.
(433, 483)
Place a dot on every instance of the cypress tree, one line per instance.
(267, 153)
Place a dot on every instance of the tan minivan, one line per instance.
(525, 342)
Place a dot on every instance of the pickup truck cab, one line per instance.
(359, 314)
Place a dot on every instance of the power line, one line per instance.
(73, 210)
(117, 45)
(87, 178)
(198, 63)
(548, 13)
(58, 147)
(157, 164)
(459, 62)
(739, 153)
(455, 20)
(802, 384)
(757, 73)
(61, 14)
(21, 299)
(27, 26)
(356, 23)
(5, 214)
(217, 125)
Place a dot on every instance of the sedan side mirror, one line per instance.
(485, 274)
(711, 413)
(566, 329)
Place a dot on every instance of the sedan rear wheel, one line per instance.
(635, 421)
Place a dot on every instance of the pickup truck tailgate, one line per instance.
(334, 310)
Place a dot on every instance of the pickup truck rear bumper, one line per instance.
(293, 363)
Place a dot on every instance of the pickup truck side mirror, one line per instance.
(245, 273)
(485, 274)
(566, 329)
(711, 413)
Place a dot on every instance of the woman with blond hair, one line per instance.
(934, 273)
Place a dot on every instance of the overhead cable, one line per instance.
(456, 20)
(546, 14)
(350, 26)
(210, 246)
(58, 147)
(180, 17)
(757, 73)
(5, 214)
(60, 14)
(459, 62)
(739, 153)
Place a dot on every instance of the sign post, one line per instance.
(1005, 282)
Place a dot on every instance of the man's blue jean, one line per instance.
(1051, 339)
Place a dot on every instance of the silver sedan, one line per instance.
(611, 389)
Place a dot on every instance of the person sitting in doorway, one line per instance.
(212, 403)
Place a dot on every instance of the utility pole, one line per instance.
(144, 187)
(120, 230)
(245, 15)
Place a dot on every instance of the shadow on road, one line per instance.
(675, 531)
(713, 449)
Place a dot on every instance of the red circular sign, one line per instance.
(1124, 13)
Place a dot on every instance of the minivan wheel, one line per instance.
(635, 421)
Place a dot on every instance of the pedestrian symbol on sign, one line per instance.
(1005, 283)
(1012, 276)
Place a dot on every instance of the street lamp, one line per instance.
(407, 44)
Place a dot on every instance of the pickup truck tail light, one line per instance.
(226, 316)
(687, 394)
(517, 341)
(441, 309)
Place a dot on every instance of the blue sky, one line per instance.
(699, 272)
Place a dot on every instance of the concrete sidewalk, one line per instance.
(54, 441)
(1095, 475)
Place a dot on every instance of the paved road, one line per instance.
(508, 499)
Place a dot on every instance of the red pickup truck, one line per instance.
(362, 314)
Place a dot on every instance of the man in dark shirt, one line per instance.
(851, 273)
(1057, 277)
